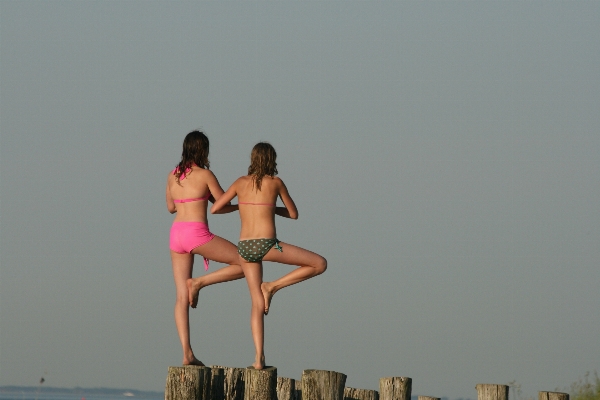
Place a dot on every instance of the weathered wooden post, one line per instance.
(217, 383)
(189, 382)
(261, 384)
(553, 396)
(298, 391)
(322, 385)
(395, 388)
(233, 382)
(360, 394)
(427, 398)
(491, 392)
(286, 389)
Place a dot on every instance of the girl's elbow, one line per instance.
(294, 215)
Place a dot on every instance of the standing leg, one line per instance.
(254, 273)
(219, 250)
(182, 271)
(309, 264)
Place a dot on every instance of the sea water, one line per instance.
(28, 395)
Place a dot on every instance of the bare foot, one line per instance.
(194, 361)
(193, 287)
(268, 295)
(259, 364)
(190, 359)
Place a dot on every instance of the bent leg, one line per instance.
(254, 273)
(182, 271)
(309, 264)
(219, 250)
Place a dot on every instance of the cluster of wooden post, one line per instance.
(225, 383)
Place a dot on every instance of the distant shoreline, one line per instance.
(79, 391)
(100, 392)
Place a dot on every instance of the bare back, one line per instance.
(258, 214)
(198, 183)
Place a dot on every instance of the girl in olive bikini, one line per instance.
(257, 195)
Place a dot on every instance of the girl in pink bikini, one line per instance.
(257, 195)
(189, 188)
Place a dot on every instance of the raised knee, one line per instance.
(321, 266)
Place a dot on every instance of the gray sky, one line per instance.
(444, 156)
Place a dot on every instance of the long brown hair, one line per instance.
(195, 151)
(262, 162)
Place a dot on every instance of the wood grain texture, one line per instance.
(261, 384)
(427, 398)
(487, 391)
(233, 382)
(188, 382)
(322, 385)
(286, 389)
(217, 383)
(553, 396)
(298, 391)
(360, 394)
(395, 388)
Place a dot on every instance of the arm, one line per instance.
(226, 209)
(282, 212)
(216, 192)
(290, 210)
(215, 188)
(222, 204)
(170, 203)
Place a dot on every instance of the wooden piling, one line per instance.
(233, 382)
(491, 392)
(261, 384)
(395, 388)
(360, 394)
(188, 382)
(298, 389)
(217, 383)
(322, 385)
(553, 396)
(286, 389)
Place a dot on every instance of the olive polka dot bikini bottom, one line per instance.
(253, 250)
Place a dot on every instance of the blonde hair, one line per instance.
(262, 162)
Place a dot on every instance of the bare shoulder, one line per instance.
(275, 180)
(202, 171)
(242, 180)
(200, 174)
(239, 183)
(274, 184)
(278, 181)
(207, 173)
(171, 177)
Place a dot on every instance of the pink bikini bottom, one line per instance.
(186, 236)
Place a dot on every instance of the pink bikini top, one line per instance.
(189, 200)
(257, 204)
